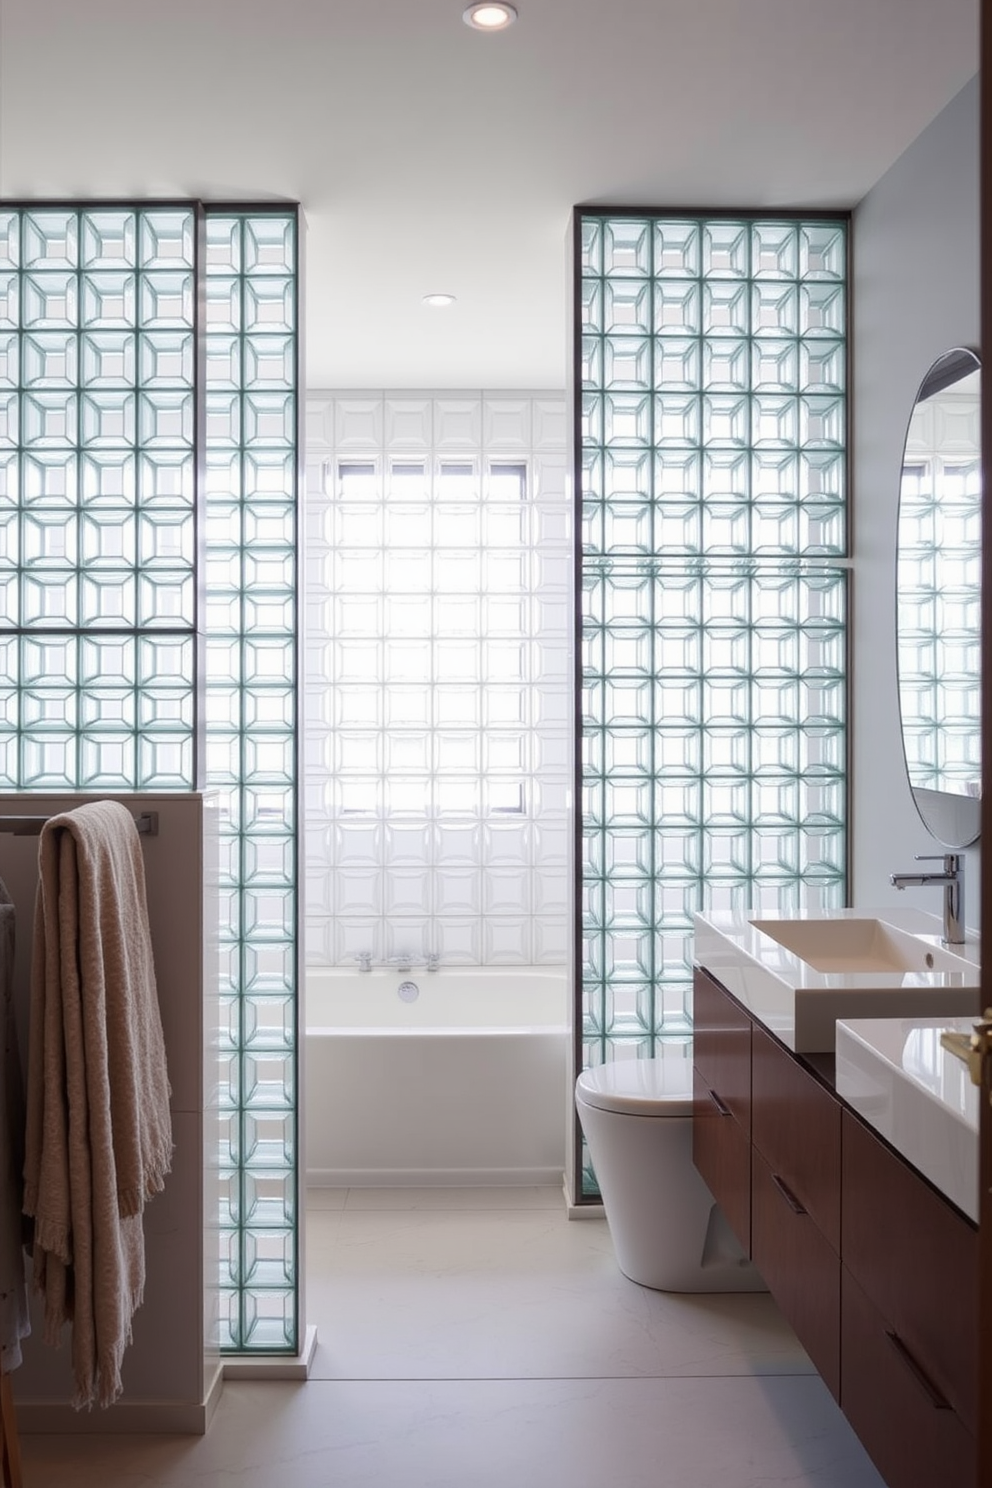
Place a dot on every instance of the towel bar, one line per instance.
(29, 826)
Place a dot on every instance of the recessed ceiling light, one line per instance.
(439, 300)
(489, 17)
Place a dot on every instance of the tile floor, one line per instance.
(474, 1338)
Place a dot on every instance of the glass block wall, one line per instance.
(147, 567)
(438, 705)
(710, 405)
(97, 514)
(252, 373)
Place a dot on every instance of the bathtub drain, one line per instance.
(408, 991)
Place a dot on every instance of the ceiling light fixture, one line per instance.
(489, 17)
(439, 300)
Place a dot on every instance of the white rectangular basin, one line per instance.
(916, 1094)
(799, 976)
(857, 945)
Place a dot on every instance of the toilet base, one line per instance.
(667, 1231)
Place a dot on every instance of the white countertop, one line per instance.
(897, 1076)
(786, 994)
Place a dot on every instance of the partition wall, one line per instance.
(709, 400)
(149, 371)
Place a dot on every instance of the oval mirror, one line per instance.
(938, 599)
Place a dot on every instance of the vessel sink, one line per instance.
(855, 945)
(799, 976)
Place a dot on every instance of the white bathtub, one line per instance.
(466, 1084)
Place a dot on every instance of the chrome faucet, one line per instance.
(364, 959)
(402, 961)
(953, 880)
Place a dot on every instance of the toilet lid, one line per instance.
(642, 1087)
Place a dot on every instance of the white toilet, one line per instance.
(667, 1231)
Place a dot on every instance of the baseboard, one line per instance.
(274, 1366)
(126, 1417)
(433, 1177)
(593, 1210)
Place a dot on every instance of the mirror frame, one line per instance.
(952, 818)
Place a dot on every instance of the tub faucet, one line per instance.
(433, 960)
(952, 879)
(403, 961)
(364, 959)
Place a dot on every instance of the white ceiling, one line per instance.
(430, 157)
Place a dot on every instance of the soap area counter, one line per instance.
(873, 1262)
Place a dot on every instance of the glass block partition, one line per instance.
(438, 723)
(97, 515)
(252, 362)
(128, 424)
(710, 404)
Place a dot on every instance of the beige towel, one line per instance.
(99, 1138)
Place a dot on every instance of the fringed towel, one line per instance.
(99, 1135)
(14, 1321)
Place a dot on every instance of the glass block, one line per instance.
(165, 301)
(49, 300)
(678, 308)
(270, 361)
(166, 239)
(269, 418)
(270, 1320)
(49, 419)
(109, 239)
(49, 478)
(108, 300)
(108, 358)
(107, 419)
(269, 305)
(48, 360)
(166, 359)
(10, 360)
(10, 240)
(726, 250)
(165, 418)
(822, 251)
(626, 248)
(677, 248)
(50, 239)
(775, 250)
(270, 245)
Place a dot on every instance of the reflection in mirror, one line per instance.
(938, 599)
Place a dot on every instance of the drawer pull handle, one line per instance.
(788, 1195)
(926, 1384)
(721, 1106)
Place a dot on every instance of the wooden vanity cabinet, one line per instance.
(875, 1270)
(909, 1333)
(721, 1089)
(795, 1198)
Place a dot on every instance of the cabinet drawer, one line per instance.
(914, 1438)
(916, 1258)
(795, 1125)
(722, 1154)
(800, 1269)
(721, 1046)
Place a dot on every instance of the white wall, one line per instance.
(915, 295)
